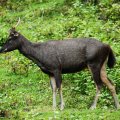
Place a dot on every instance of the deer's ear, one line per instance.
(16, 34)
(13, 32)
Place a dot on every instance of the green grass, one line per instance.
(25, 92)
(75, 114)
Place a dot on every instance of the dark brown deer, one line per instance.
(67, 56)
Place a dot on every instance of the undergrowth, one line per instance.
(25, 91)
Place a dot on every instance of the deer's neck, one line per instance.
(26, 47)
(31, 51)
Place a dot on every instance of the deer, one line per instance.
(57, 57)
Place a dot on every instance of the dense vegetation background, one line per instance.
(25, 91)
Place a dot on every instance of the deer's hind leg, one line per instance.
(95, 71)
(109, 84)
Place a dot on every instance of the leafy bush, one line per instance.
(109, 12)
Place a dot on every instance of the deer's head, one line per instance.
(12, 42)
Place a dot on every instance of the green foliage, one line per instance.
(24, 89)
(109, 11)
